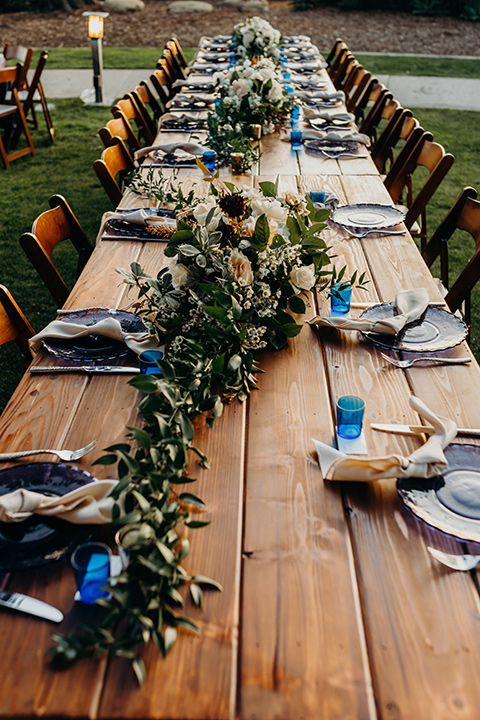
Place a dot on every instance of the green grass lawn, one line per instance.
(146, 57)
(66, 168)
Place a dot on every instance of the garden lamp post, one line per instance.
(95, 33)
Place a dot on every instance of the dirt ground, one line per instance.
(363, 31)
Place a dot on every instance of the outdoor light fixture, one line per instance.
(95, 33)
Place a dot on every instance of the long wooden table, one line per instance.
(332, 607)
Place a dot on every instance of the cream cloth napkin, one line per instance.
(195, 80)
(428, 461)
(172, 148)
(184, 100)
(179, 118)
(320, 95)
(90, 504)
(331, 202)
(410, 305)
(142, 216)
(199, 68)
(110, 327)
(312, 114)
(333, 137)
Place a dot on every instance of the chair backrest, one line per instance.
(372, 94)
(427, 154)
(397, 127)
(13, 324)
(137, 99)
(119, 127)
(112, 168)
(13, 113)
(173, 58)
(168, 75)
(22, 55)
(36, 94)
(50, 228)
(182, 58)
(384, 108)
(336, 47)
(143, 94)
(160, 82)
(132, 112)
(338, 60)
(346, 64)
(357, 86)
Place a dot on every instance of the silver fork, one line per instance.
(66, 455)
(425, 358)
(363, 233)
(456, 562)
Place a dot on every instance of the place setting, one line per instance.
(181, 122)
(178, 155)
(364, 219)
(143, 224)
(331, 145)
(183, 101)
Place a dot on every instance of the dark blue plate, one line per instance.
(40, 541)
(448, 502)
(94, 347)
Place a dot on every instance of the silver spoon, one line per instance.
(424, 358)
(363, 233)
(456, 562)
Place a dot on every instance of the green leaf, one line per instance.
(188, 250)
(197, 594)
(139, 670)
(203, 580)
(291, 329)
(196, 524)
(294, 230)
(140, 436)
(170, 637)
(269, 189)
(262, 230)
(216, 312)
(186, 426)
(296, 305)
(192, 500)
(188, 625)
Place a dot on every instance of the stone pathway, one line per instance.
(421, 92)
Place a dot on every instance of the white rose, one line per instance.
(277, 211)
(201, 211)
(241, 267)
(302, 278)
(259, 206)
(179, 274)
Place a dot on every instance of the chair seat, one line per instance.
(7, 110)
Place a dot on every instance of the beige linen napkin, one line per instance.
(182, 99)
(428, 461)
(179, 118)
(90, 504)
(312, 114)
(110, 327)
(333, 137)
(172, 148)
(410, 305)
(320, 95)
(142, 216)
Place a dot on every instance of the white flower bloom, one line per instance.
(302, 278)
(179, 274)
(201, 211)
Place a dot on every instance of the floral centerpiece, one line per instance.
(255, 37)
(251, 94)
(242, 262)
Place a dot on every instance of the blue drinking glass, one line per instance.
(340, 299)
(209, 158)
(296, 138)
(350, 411)
(147, 362)
(91, 565)
(317, 196)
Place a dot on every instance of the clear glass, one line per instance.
(91, 565)
(350, 412)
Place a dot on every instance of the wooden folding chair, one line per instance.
(149, 120)
(336, 47)
(120, 127)
(131, 112)
(359, 84)
(347, 65)
(168, 76)
(143, 96)
(382, 111)
(172, 56)
(182, 58)
(463, 215)
(36, 94)
(50, 228)
(337, 62)
(160, 83)
(13, 112)
(114, 163)
(22, 55)
(14, 326)
(419, 151)
(400, 127)
(371, 96)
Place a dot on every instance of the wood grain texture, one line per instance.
(302, 637)
(198, 678)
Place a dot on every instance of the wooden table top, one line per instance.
(332, 607)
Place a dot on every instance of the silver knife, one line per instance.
(32, 606)
(418, 429)
(91, 369)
